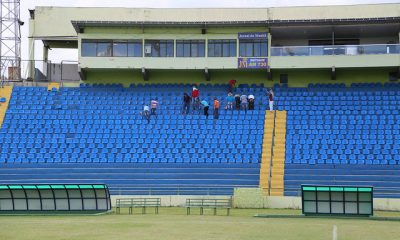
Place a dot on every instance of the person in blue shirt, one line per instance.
(230, 101)
(205, 107)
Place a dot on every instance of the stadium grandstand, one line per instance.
(334, 72)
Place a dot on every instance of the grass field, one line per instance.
(172, 223)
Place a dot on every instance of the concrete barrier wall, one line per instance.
(254, 198)
(387, 204)
(168, 201)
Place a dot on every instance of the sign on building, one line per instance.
(252, 62)
(253, 35)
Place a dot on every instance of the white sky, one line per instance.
(58, 54)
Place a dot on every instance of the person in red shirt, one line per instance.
(232, 85)
(195, 98)
(216, 108)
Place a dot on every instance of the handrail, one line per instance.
(329, 50)
(272, 153)
(343, 45)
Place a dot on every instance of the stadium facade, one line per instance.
(297, 45)
(320, 134)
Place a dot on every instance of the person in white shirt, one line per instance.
(251, 102)
(271, 100)
(146, 113)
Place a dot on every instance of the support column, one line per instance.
(45, 53)
(269, 72)
(31, 47)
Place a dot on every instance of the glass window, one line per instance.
(202, 49)
(120, 49)
(159, 48)
(225, 48)
(186, 49)
(194, 50)
(218, 50)
(222, 48)
(232, 48)
(108, 48)
(190, 48)
(253, 48)
(179, 49)
(135, 48)
(88, 48)
(104, 49)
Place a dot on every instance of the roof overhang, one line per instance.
(78, 25)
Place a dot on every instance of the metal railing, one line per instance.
(172, 189)
(10, 70)
(329, 50)
(35, 70)
(271, 164)
(39, 71)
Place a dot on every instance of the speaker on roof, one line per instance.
(203, 31)
(333, 73)
(82, 73)
(269, 74)
(398, 73)
(283, 78)
(145, 74)
(207, 74)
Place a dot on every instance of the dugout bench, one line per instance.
(208, 203)
(143, 203)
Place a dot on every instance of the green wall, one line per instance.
(303, 77)
(127, 77)
(297, 78)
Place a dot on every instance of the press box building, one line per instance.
(294, 45)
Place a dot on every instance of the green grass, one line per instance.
(172, 223)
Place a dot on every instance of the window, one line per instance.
(190, 48)
(222, 48)
(104, 48)
(120, 49)
(110, 48)
(159, 48)
(88, 48)
(253, 48)
(135, 48)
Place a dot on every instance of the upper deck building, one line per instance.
(357, 43)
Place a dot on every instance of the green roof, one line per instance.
(54, 186)
(337, 188)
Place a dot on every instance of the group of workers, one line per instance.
(236, 101)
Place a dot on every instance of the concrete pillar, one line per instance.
(269, 44)
(45, 53)
(31, 47)
(269, 73)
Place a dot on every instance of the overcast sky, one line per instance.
(58, 55)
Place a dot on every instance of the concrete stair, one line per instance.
(273, 120)
(5, 92)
